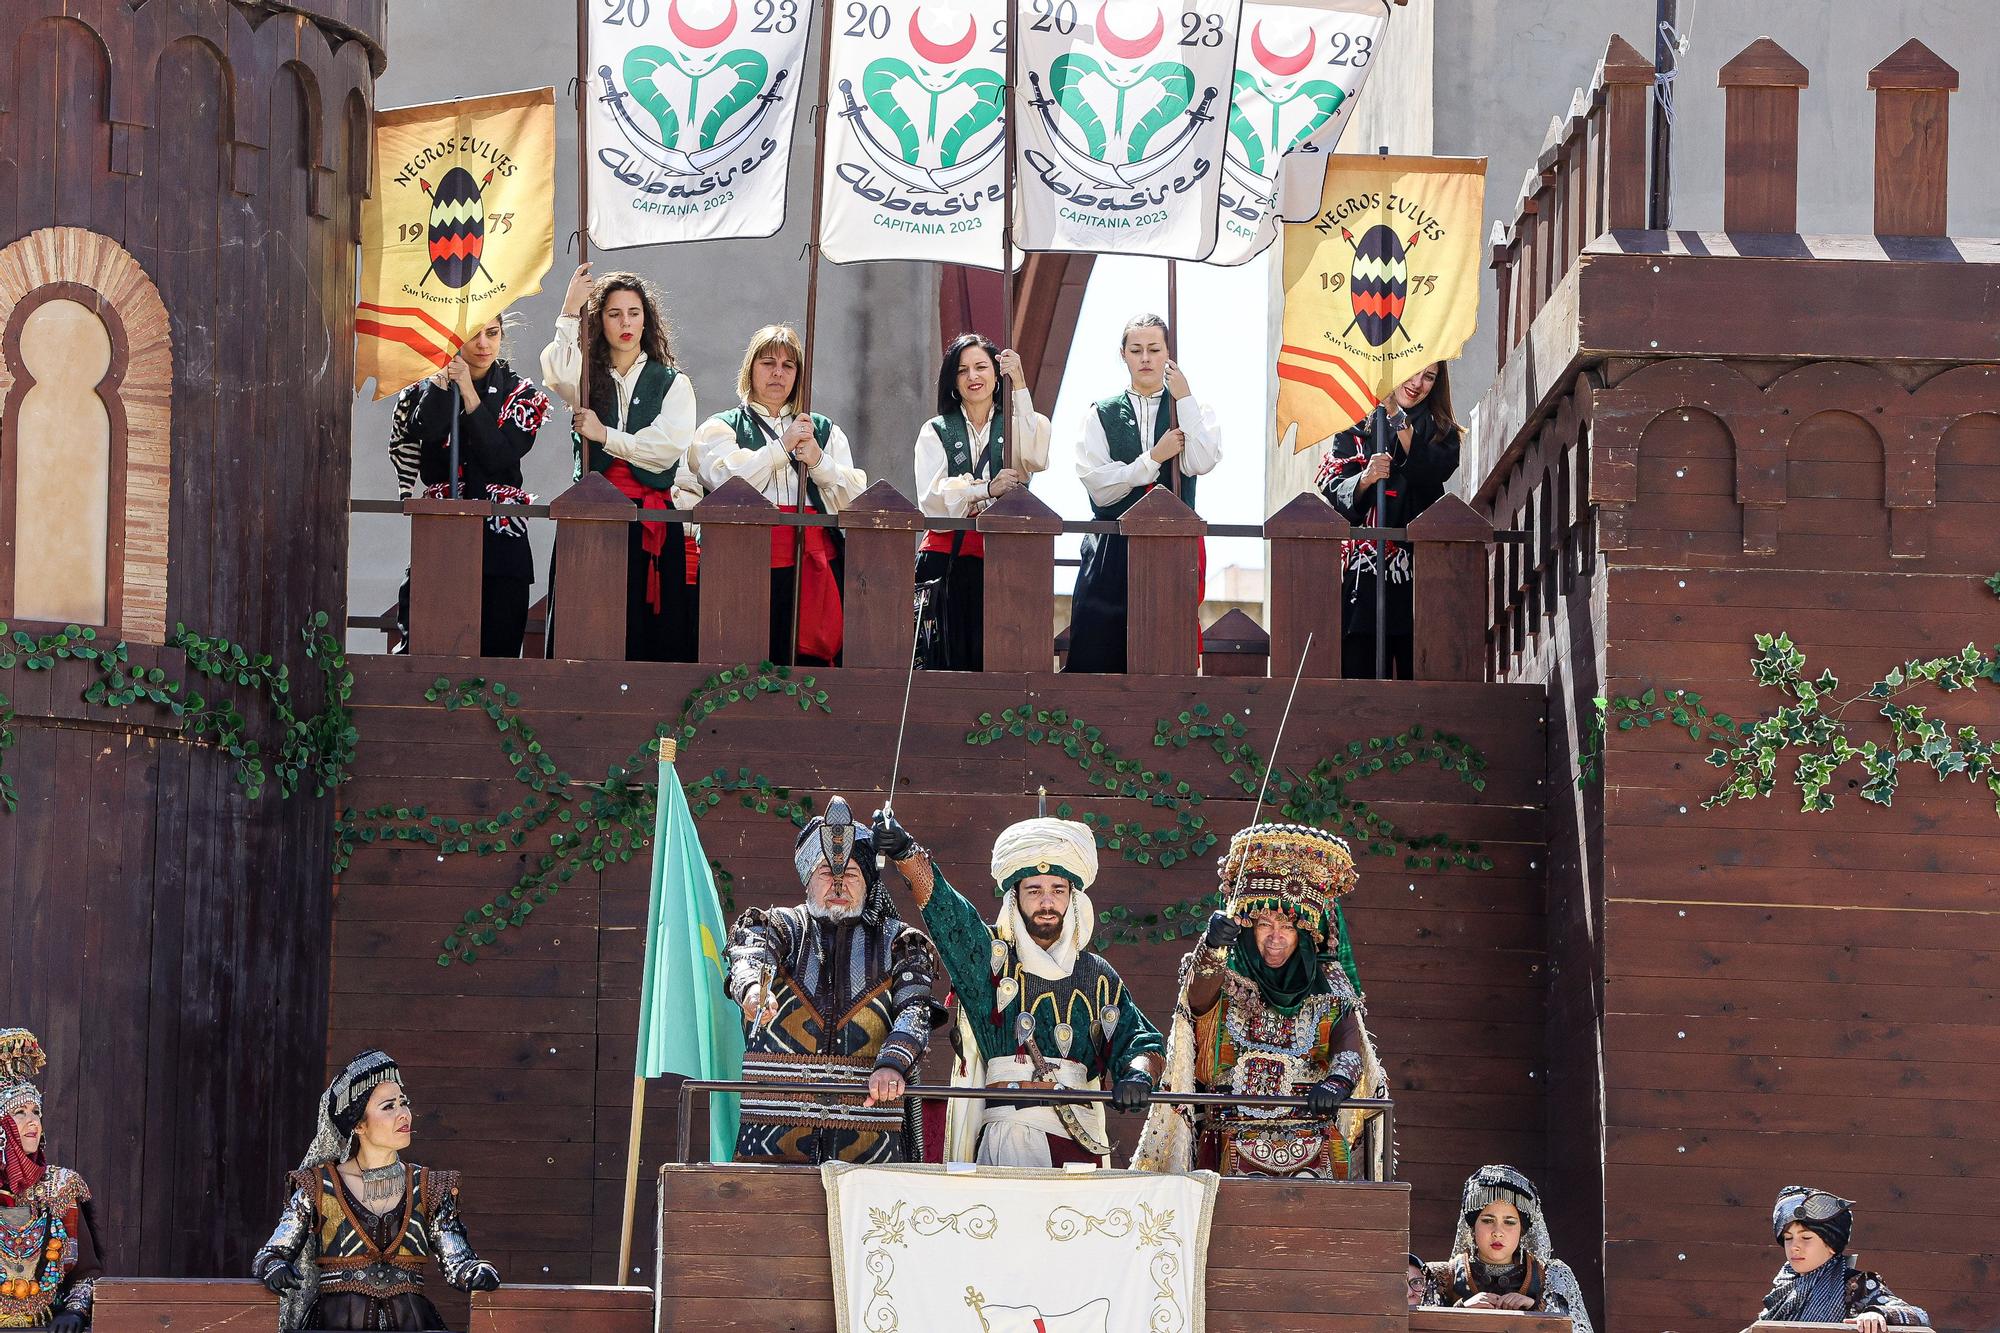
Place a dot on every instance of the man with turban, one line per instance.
(1036, 1008)
(1820, 1283)
(1268, 1008)
(834, 990)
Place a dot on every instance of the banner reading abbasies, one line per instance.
(916, 132)
(1299, 68)
(690, 125)
(1124, 109)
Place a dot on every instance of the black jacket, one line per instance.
(492, 441)
(1416, 481)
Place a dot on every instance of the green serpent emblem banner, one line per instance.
(915, 132)
(1123, 107)
(689, 131)
(1299, 68)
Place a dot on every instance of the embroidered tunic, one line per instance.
(371, 1265)
(1245, 1046)
(1068, 1036)
(853, 996)
(48, 1250)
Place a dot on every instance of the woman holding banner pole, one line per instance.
(634, 423)
(768, 441)
(1128, 441)
(969, 455)
(1388, 487)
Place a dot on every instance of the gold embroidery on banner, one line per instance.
(879, 1316)
(888, 1225)
(1066, 1223)
(1155, 1232)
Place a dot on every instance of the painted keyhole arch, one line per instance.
(62, 470)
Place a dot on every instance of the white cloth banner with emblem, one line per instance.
(998, 1250)
(916, 134)
(1124, 107)
(690, 124)
(1299, 68)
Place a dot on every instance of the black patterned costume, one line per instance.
(852, 996)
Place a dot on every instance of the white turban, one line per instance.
(1047, 847)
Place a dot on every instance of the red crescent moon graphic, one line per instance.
(1283, 66)
(701, 38)
(1121, 47)
(936, 53)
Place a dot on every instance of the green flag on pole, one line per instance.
(687, 1024)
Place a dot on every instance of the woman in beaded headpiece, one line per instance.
(48, 1244)
(1269, 1006)
(1502, 1258)
(350, 1247)
(1820, 1283)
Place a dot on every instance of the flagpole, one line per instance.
(812, 315)
(669, 749)
(1173, 358)
(1007, 146)
(583, 257)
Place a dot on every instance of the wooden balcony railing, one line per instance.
(882, 528)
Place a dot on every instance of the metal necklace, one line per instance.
(381, 1184)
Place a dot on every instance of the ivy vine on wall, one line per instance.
(595, 824)
(316, 748)
(1320, 797)
(591, 825)
(1813, 728)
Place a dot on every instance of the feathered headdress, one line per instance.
(21, 1058)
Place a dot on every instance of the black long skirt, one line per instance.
(671, 633)
(961, 609)
(1097, 607)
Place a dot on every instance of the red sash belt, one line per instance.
(974, 544)
(652, 536)
(820, 628)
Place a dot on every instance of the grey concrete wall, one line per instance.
(875, 364)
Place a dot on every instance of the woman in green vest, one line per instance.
(1154, 433)
(761, 440)
(635, 427)
(964, 465)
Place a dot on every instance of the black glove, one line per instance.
(66, 1321)
(1222, 931)
(1133, 1091)
(1325, 1097)
(281, 1277)
(484, 1278)
(890, 838)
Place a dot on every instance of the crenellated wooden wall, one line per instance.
(1712, 436)
(166, 936)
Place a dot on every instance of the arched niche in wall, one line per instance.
(86, 395)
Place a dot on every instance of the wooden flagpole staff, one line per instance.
(1173, 359)
(812, 314)
(1007, 146)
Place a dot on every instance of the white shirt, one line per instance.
(1110, 481)
(719, 457)
(941, 495)
(656, 446)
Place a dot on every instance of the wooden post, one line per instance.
(1628, 87)
(735, 573)
(1235, 645)
(1525, 229)
(1502, 264)
(1550, 192)
(1019, 603)
(1162, 586)
(1760, 150)
(447, 562)
(1305, 539)
(1913, 91)
(1575, 156)
(881, 576)
(593, 540)
(1450, 621)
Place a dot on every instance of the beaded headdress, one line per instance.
(1503, 1184)
(21, 1058)
(1289, 868)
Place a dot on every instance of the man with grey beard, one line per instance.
(834, 990)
